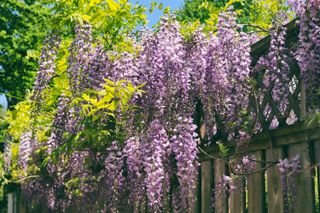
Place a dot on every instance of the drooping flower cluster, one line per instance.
(246, 165)
(225, 88)
(308, 51)
(80, 58)
(59, 124)
(276, 75)
(25, 150)
(7, 155)
(222, 188)
(288, 171)
(185, 150)
(153, 160)
(47, 66)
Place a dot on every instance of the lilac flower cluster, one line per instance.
(154, 155)
(133, 153)
(112, 175)
(7, 155)
(246, 165)
(307, 53)
(80, 58)
(276, 77)
(224, 186)
(59, 124)
(47, 66)
(25, 150)
(288, 170)
(226, 88)
(184, 147)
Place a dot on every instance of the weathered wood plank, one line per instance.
(10, 203)
(303, 181)
(197, 201)
(275, 195)
(206, 186)
(221, 206)
(236, 199)
(22, 205)
(317, 161)
(317, 151)
(256, 187)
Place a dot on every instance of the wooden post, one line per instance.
(12, 203)
(22, 206)
(236, 198)
(305, 192)
(219, 171)
(197, 195)
(206, 186)
(303, 105)
(317, 161)
(275, 195)
(256, 187)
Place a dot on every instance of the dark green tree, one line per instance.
(193, 10)
(256, 15)
(21, 35)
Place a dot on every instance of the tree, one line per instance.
(256, 15)
(21, 34)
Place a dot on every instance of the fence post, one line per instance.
(12, 202)
(305, 192)
(219, 171)
(275, 195)
(237, 199)
(197, 194)
(303, 105)
(256, 187)
(206, 186)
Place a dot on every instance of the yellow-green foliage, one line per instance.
(112, 21)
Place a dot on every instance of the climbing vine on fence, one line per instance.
(118, 130)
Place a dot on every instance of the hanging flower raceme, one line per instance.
(80, 58)
(59, 124)
(226, 92)
(288, 170)
(47, 66)
(308, 51)
(276, 78)
(25, 150)
(154, 155)
(184, 148)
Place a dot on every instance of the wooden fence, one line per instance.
(261, 191)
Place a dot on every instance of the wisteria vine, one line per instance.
(146, 157)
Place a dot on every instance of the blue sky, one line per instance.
(154, 17)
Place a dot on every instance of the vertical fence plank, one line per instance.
(256, 188)
(22, 205)
(219, 171)
(236, 198)
(10, 203)
(206, 186)
(197, 204)
(275, 195)
(305, 192)
(317, 161)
